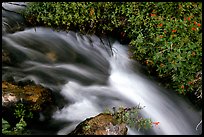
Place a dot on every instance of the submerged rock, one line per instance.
(102, 124)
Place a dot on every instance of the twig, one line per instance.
(110, 46)
(103, 44)
(198, 124)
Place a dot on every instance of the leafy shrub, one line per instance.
(131, 117)
(21, 113)
(170, 42)
(164, 36)
(19, 129)
(86, 17)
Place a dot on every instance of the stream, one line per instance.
(92, 74)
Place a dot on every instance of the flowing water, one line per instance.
(92, 74)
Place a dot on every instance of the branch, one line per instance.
(198, 124)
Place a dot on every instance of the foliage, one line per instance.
(21, 111)
(170, 42)
(131, 117)
(164, 36)
(20, 128)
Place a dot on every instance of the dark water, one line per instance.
(91, 76)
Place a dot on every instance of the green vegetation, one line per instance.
(131, 117)
(164, 36)
(21, 111)
(20, 128)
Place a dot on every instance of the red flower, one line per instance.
(193, 29)
(156, 123)
(160, 24)
(152, 15)
(195, 22)
(189, 18)
(173, 30)
(198, 24)
(182, 86)
(184, 18)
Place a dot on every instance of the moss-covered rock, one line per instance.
(35, 95)
(33, 99)
(102, 124)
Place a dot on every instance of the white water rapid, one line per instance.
(127, 87)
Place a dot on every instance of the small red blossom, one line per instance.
(189, 18)
(182, 86)
(160, 24)
(152, 15)
(198, 24)
(156, 123)
(173, 30)
(149, 62)
(195, 22)
(184, 18)
(194, 29)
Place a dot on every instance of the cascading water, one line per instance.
(91, 76)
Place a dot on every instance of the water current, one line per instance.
(92, 74)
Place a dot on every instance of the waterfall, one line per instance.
(92, 76)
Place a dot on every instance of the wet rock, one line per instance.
(12, 20)
(36, 95)
(5, 57)
(102, 124)
(35, 98)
